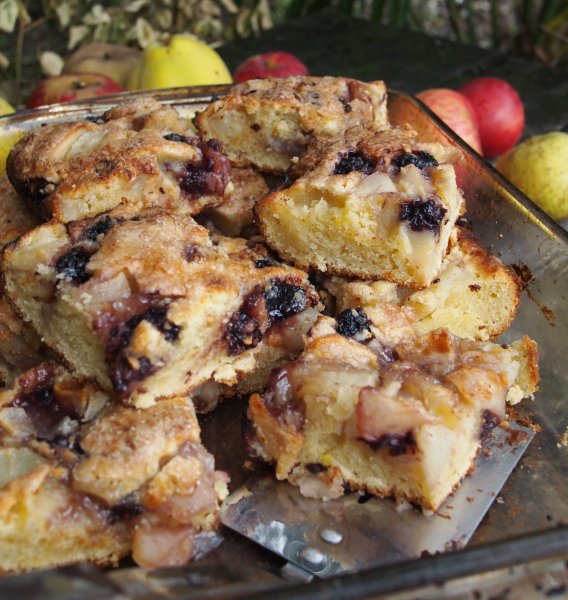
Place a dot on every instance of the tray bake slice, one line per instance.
(268, 122)
(373, 205)
(155, 307)
(83, 479)
(475, 296)
(20, 346)
(138, 155)
(408, 425)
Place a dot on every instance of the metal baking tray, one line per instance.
(527, 523)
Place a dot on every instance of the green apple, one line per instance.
(539, 167)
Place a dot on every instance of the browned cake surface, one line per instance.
(19, 344)
(405, 421)
(85, 480)
(136, 156)
(155, 307)
(267, 122)
(370, 205)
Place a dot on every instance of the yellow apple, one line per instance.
(539, 167)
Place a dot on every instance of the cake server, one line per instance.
(354, 532)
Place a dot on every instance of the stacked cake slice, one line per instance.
(407, 425)
(85, 479)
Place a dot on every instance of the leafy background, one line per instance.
(36, 35)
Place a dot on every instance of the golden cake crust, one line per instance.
(369, 205)
(267, 122)
(154, 300)
(136, 156)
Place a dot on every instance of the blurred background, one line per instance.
(36, 36)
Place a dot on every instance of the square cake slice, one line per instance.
(268, 122)
(372, 205)
(475, 296)
(408, 426)
(138, 155)
(82, 479)
(156, 307)
(20, 346)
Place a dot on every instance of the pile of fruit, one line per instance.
(489, 115)
(486, 112)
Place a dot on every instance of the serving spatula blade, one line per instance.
(351, 533)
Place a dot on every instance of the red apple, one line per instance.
(500, 113)
(456, 111)
(74, 86)
(270, 64)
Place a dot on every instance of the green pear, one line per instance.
(113, 60)
(539, 167)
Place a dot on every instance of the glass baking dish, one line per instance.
(525, 525)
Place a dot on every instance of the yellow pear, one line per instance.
(8, 137)
(184, 61)
(539, 167)
(5, 107)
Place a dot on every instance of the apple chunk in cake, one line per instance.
(268, 122)
(137, 155)
(155, 307)
(407, 425)
(83, 479)
(373, 205)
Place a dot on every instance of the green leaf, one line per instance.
(295, 9)
(9, 11)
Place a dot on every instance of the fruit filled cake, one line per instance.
(406, 423)
(475, 296)
(155, 307)
(140, 286)
(236, 213)
(373, 205)
(83, 479)
(19, 343)
(268, 122)
(135, 156)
